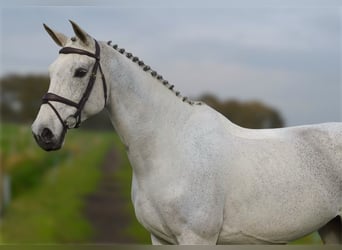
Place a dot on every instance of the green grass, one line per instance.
(309, 239)
(49, 211)
(123, 175)
(49, 187)
(23, 160)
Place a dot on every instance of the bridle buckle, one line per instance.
(71, 122)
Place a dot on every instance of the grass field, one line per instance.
(124, 177)
(48, 188)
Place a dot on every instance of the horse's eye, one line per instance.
(80, 72)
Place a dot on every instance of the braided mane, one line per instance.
(153, 73)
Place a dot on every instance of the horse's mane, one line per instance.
(153, 73)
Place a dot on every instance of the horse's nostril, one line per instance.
(46, 135)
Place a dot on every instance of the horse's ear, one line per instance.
(59, 38)
(81, 34)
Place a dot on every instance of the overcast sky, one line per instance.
(285, 56)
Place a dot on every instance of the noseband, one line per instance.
(74, 120)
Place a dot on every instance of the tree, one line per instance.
(21, 97)
(253, 114)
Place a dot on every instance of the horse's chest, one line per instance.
(148, 213)
(145, 211)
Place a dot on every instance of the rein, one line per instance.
(74, 120)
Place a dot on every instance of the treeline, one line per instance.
(252, 114)
(21, 99)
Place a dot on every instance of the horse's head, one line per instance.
(76, 92)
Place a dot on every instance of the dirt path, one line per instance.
(105, 208)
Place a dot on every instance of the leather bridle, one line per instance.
(74, 121)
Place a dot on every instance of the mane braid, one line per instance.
(153, 73)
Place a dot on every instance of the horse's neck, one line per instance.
(140, 104)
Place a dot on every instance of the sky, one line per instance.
(287, 56)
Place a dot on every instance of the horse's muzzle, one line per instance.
(47, 140)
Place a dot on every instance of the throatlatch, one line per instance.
(74, 120)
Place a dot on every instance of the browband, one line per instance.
(70, 50)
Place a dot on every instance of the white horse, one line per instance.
(197, 177)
